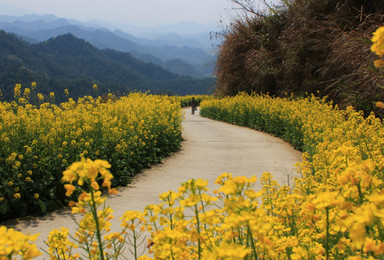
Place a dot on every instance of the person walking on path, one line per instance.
(193, 105)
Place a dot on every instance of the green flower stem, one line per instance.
(198, 230)
(98, 233)
(154, 223)
(252, 242)
(135, 244)
(327, 234)
(171, 220)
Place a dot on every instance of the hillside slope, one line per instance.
(42, 28)
(66, 62)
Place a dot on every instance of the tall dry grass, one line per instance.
(305, 46)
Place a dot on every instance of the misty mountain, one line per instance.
(182, 68)
(183, 28)
(196, 61)
(155, 39)
(67, 62)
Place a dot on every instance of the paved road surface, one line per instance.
(210, 148)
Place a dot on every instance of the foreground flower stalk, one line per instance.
(85, 176)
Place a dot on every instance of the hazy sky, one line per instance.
(141, 12)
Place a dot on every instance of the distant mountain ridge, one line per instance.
(67, 62)
(193, 59)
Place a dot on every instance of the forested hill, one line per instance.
(305, 46)
(66, 62)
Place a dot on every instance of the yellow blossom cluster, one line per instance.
(378, 46)
(95, 222)
(15, 244)
(89, 172)
(38, 142)
(59, 246)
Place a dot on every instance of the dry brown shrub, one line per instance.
(351, 76)
(309, 46)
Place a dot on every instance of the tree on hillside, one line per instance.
(252, 8)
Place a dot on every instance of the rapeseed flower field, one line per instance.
(334, 211)
(38, 142)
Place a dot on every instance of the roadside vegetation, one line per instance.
(335, 211)
(185, 101)
(304, 46)
(38, 142)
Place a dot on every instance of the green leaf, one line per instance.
(3, 209)
(42, 206)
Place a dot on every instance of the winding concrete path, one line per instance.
(210, 148)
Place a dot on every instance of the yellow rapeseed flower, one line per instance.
(14, 243)
(70, 189)
(378, 41)
(17, 91)
(379, 103)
